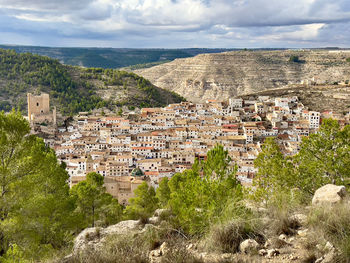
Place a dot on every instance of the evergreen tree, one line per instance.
(275, 172)
(163, 192)
(199, 196)
(34, 203)
(93, 203)
(324, 157)
(143, 204)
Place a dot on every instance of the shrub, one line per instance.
(226, 237)
(294, 59)
(332, 224)
(282, 223)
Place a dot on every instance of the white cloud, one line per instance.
(196, 22)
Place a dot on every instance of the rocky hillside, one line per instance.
(220, 76)
(74, 89)
(297, 236)
(335, 98)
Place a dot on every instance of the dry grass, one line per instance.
(281, 222)
(333, 224)
(178, 253)
(227, 237)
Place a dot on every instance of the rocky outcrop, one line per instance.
(93, 238)
(329, 194)
(223, 75)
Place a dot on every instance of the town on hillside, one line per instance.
(158, 142)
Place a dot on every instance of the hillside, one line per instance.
(111, 57)
(224, 75)
(73, 89)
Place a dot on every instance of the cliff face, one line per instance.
(220, 76)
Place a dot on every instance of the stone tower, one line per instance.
(39, 108)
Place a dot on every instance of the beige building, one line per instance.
(39, 109)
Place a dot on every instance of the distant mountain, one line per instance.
(73, 89)
(111, 57)
(224, 75)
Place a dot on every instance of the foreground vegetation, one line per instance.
(40, 215)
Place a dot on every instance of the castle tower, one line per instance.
(39, 108)
(38, 105)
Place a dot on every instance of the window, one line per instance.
(37, 104)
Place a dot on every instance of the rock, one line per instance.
(155, 255)
(329, 194)
(272, 253)
(283, 237)
(300, 218)
(328, 247)
(93, 238)
(291, 239)
(303, 232)
(164, 248)
(268, 243)
(329, 257)
(262, 252)
(190, 246)
(319, 260)
(293, 257)
(154, 220)
(249, 246)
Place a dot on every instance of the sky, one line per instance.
(176, 23)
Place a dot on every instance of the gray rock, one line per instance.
(154, 220)
(164, 248)
(283, 237)
(249, 246)
(272, 253)
(329, 194)
(303, 232)
(93, 238)
(262, 252)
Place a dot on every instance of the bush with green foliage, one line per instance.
(198, 196)
(35, 208)
(295, 59)
(92, 204)
(143, 204)
(324, 157)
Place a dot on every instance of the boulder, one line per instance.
(154, 220)
(329, 194)
(272, 253)
(249, 246)
(93, 238)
